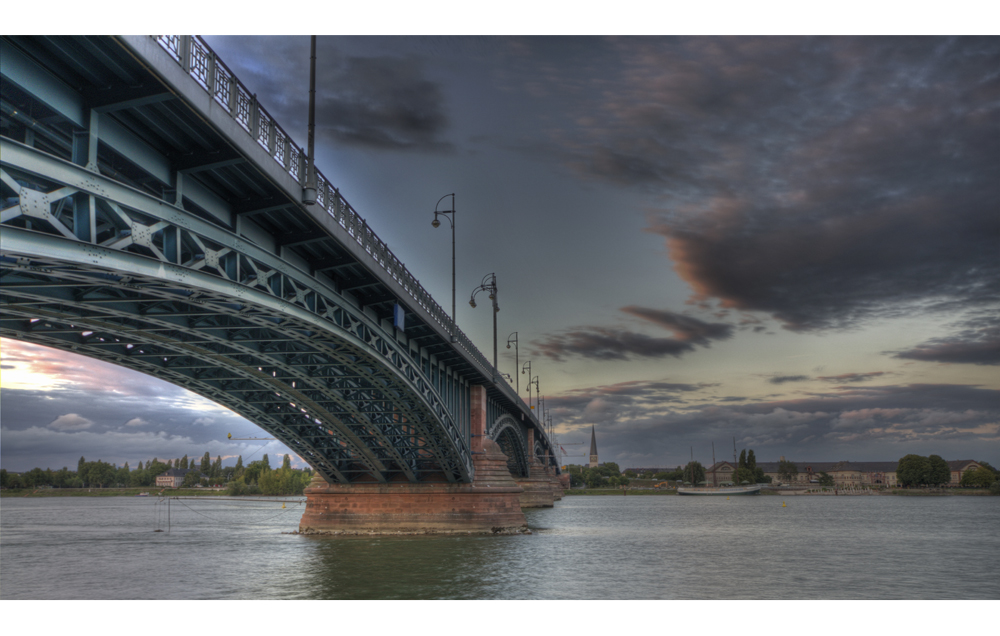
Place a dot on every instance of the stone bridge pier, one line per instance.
(490, 504)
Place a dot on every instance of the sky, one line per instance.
(789, 241)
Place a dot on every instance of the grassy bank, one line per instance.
(973, 492)
(617, 491)
(108, 492)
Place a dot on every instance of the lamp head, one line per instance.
(473, 303)
(435, 222)
(508, 345)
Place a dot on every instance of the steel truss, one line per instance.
(92, 266)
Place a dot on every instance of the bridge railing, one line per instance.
(198, 59)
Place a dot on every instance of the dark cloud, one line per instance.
(374, 102)
(978, 344)
(824, 181)
(611, 402)
(611, 343)
(683, 327)
(782, 379)
(848, 422)
(605, 343)
(852, 377)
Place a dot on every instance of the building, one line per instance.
(959, 468)
(593, 449)
(720, 473)
(173, 478)
(844, 473)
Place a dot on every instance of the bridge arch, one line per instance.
(508, 433)
(163, 292)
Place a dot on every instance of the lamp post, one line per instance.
(534, 381)
(309, 191)
(436, 223)
(518, 380)
(527, 365)
(489, 284)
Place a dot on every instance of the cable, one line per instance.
(233, 524)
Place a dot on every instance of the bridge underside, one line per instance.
(321, 395)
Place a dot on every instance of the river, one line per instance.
(605, 547)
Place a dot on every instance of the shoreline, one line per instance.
(578, 492)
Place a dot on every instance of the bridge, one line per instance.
(152, 217)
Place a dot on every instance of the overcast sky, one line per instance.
(791, 241)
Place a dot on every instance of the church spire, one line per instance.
(593, 448)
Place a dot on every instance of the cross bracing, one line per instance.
(136, 214)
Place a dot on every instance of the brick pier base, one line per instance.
(538, 491)
(489, 505)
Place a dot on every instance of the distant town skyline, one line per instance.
(789, 240)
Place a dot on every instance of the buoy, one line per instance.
(784, 505)
(282, 504)
(727, 498)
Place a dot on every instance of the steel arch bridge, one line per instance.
(151, 219)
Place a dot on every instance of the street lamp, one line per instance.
(309, 190)
(436, 223)
(537, 392)
(527, 365)
(489, 284)
(518, 381)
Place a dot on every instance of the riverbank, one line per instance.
(829, 492)
(110, 492)
(616, 491)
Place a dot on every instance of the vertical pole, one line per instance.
(517, 368)
(496, 309)
(168, 515)
(309, 192)
(454, 319)
(715, 469)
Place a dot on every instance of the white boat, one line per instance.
(719, 490)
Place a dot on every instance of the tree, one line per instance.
(743, 459)
(981, 477)
(751, 461)
(191, 479)
(630, 473)
(694, 472)
(787, 470)
(239, 465)
(206, 463)
(913, 470)
(987, 466)
(825, 479)
(286, 463)
(184, 462)
(80, 464)
(938, 471)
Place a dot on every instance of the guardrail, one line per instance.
(200, 62)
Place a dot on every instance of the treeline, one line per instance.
(255, 477)
(603, 476)
(259, 479)
(917, 470)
